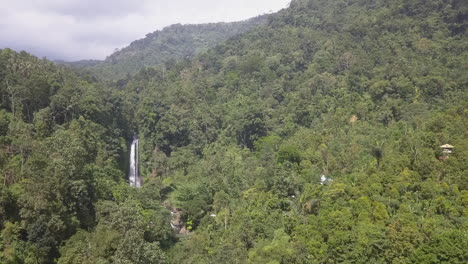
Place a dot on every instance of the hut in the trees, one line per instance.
(447, 149)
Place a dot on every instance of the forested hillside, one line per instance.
(62, 158)
(173, 43)
(314, 138)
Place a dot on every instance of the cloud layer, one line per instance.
(92, 29)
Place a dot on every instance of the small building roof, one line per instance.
(447, 146)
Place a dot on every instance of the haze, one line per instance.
(92, 29)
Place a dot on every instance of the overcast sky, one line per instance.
(92, 29)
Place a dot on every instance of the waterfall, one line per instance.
(133, 175)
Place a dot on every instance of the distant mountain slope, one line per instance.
(173, 43)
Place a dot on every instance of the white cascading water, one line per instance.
(133, 175)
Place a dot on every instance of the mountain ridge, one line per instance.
(172, 43)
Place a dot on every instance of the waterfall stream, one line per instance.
(133, 175)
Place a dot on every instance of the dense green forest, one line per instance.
(312, 138)
(166, 46)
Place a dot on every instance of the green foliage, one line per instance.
(448, 247)
(312, 138)
(290, 154)
(61, 139)
(279, 250)
(165, 47)
(362, 93)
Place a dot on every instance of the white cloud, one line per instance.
(92, 29)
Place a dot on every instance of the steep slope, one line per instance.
(62, 154)
(315, 58)
(176, 42)
(362, 92)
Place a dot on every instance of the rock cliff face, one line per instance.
(176, 219)
(177, 223)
